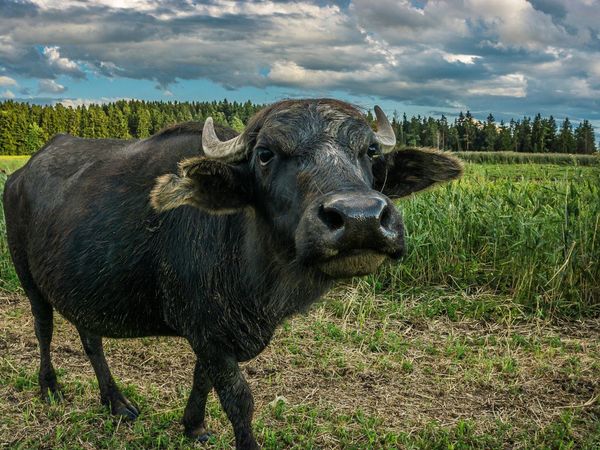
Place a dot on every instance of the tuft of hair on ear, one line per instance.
(171, 191)
(412, 169)
(200, 166)
(213, 186)
(442, 166)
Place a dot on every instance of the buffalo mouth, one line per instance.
(352, 263)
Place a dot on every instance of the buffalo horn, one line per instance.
(385, 133)
(231, 150)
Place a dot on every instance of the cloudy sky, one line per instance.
(510, 57)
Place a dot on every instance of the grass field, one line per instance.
(9, 164)
(528, 231)
(530, 158)
(486, 336)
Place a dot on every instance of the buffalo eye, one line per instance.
(373, 151)
(265, 156)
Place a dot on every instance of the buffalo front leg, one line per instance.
(110, 394)
(193, 416)
(236, 399)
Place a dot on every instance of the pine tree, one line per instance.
(566, 140)
(99, 121)
(413, 136)
(453, 139)
(443, 126)
(8, 141)
(550, 133)
(34, 139)
(524, 135)
(490, 134)
(430, 134)
(219, 117)
(74, 121)
(142, 123)
(118, 126)
(538, 134)
(60, 118)
(48, 122)
(584, 138)
(504, 140)
(236, 124)
(514, 132)
(469, 131)
(157, 120)
(397, 127)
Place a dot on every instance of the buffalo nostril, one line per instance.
(385, 218)
(332, 218)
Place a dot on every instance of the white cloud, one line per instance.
(138, 5)
(289, 73)
(579, 88)
(50, 87)
(60, 63)
(381, 47)
(7, 81)
(465, 59)
(75, 102)
(221, 8)
(8, 94)
(511, 85)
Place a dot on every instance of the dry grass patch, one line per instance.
(358, 371)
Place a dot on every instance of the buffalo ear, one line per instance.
(207, 184)
(403, 172)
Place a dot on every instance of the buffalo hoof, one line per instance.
(204, 437)
(199, 434)
(50, 392)
(121, 407)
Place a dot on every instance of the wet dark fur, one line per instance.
(86, 241)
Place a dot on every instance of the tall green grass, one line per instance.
(531, 231)
(529, 172)
(10, 163)
(8, 277)
(537, 240)
(525, 158)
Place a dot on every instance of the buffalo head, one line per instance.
(318, 176)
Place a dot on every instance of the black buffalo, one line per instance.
(211, 236)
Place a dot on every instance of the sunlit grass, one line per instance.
(533, 233)
(526, 158)
(10, 163)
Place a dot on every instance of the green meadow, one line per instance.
(533, 158)
(486, 335)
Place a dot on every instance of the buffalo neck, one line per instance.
(289, 286)
(236, 272)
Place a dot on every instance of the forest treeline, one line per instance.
(24, 127)
(527, 135)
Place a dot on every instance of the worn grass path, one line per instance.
(360, 371)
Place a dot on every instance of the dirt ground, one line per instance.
(389, 376)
